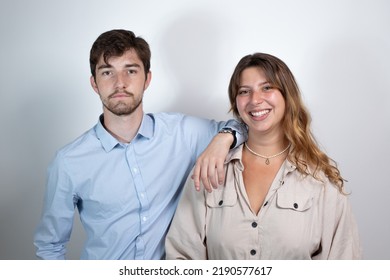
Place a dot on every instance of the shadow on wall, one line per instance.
(189, 51)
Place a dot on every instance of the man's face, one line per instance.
(121, 83)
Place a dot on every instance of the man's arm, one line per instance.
(54, 229)
(209, 168)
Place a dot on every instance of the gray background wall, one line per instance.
(337, 49)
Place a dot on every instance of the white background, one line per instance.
(337, 49)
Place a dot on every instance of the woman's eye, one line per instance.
(267, 88)
(243, 92)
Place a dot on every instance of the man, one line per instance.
(125, 175)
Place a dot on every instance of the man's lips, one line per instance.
(120, 94)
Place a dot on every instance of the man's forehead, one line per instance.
(128, 57)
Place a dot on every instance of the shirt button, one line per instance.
(135, 170)
(254, 224)
(253, 252)
(296, 205)
(144, 218)
(220, 202)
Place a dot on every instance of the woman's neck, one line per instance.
(267, 145)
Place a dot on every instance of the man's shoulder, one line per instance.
(179, 120)
(81, 143)
(167, 116)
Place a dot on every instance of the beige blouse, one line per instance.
(302, 218)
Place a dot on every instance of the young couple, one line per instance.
(281, 197)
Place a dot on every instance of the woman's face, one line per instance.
(260, 105)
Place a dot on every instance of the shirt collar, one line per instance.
(109, 142)
(235, 155)
(147, 126)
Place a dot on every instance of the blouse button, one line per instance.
(254, 224)
(220, 202)
(296, 205)
(253, 252)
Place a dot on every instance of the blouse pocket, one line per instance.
(295, 201)
(221, 197)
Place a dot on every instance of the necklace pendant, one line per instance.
(267, 161)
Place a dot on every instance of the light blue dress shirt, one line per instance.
(126, 194)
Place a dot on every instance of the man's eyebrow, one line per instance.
(133, 65)
(103, 66)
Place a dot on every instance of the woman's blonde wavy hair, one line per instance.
(304, 152)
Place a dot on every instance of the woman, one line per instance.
(283, 197)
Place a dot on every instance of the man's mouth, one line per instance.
(120, 94)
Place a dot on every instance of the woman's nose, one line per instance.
(257, 97)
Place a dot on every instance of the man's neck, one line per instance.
(123, 128)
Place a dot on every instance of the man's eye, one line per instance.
(106, 73)
(132, 71)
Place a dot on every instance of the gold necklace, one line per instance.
(267, 158)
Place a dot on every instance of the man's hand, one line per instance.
(209, 167)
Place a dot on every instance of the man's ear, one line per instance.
(148, 79)
(93, 84)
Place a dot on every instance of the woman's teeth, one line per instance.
(259, 113)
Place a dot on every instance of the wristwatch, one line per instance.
(226, 130)
(232, 132)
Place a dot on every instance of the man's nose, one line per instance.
(121, 80)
